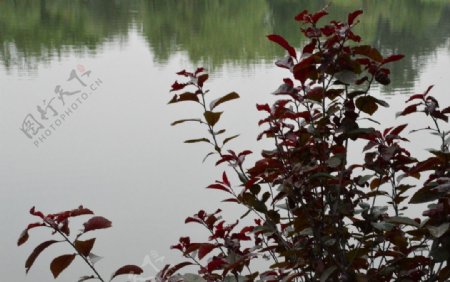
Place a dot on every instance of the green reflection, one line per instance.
(213, 32)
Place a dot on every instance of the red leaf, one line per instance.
(408, 110)
(416, 96)
(353, 16)
(398, 129)
(24, 235)
(184, 73)
(264, 107)
(60, 263)
(245, 153)
(36, 213)
(215, 264)
(219, 187)
(201, 79)
(80, 211)
(84, 247)
(205, 249)
(283, 43)
(232, 200)
(96, 222)
(192, 219)
(309, 48)
(175, 268)
(127, 269)
(177, 86)
(317, 16)
(36, 252)
(303, 16)
(199, 70)
(225, 179)
(428, 90)
(393, 58)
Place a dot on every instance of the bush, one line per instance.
(318, 215)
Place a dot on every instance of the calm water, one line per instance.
(116, 153)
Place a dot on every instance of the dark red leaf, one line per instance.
(177, 86)
(84, 247)
(36, 252)
(233, 200)
(352, 16)
(175, 268)
(192, 219)
(428, 90)
(205, 249)
(317, 16)
(393, 58)
(309, 48)
(219, 187)
(225, 179)
(303, 16)
(416, 96)
(36, 213)
(96, 222)
(60, 263)
(264, 107)
(216, 263)
(127, 269)
(369, 52)
(199, 70)
(184, 73)
(283, 43)
(24, 235)
(201, 79)
(398, 129)
(408, 110)
(80, 211)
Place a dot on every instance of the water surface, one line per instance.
(116, 152)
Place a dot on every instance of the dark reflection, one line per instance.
(213, 32)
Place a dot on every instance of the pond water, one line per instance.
(115, 152)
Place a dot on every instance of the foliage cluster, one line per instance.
(317, 215)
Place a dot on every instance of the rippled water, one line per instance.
(116, 153)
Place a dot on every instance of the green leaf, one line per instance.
(334, 161)
(346, 76)
(207, 155)
(402, 220)
(327, 273)
(226, 140)
(186, 96)
(424, 195)
(438, 231)
(383, 225)
(211, 117)
(60, 263)
(226, 98)
(197, 140)
(186, 120)
(367, 104)
(369, 52)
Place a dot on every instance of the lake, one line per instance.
(115, 152)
